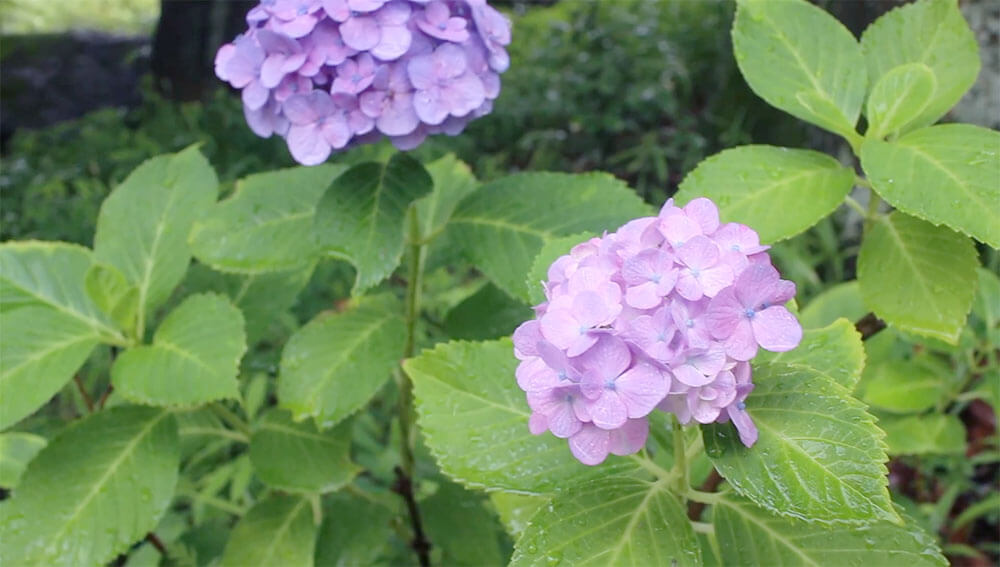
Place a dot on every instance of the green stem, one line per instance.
(874, 203)
(406, 474)
(659, 472)
(703, 497)
(230, 418)
(854, 204)
(680, 468)
(703, 528)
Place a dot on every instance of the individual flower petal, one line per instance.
(590, 445)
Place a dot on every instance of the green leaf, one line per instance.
(461, 526)
(550, 252)
(262, 298)
(819, 456)
(503, 226)
(941, 434)
(905, 386)
(487, 314)
(267, 223)
(750, 535)
(94, 490)
(452, 181)
(143, 225)
(778, 192)
(802, 60)
(610, 522)
(898, 99)
(297, 457)
(276, 531)
(475, 421)
(516, 509)
(986, 305)
(194, 357)
(362, 216)
(52, 274)
(840, 300)
(333, 366)
(945, 174)
(16, 451)
(932, 33)
(917, 276)
(835, 351)
(40, 351)
(113, 294)
(355, 531)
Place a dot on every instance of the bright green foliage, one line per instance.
(750, 535)
(550, 252)
(40, 351)
(362, 216)
(802, 60)
(749, 182)
(297, 457)
(475, 421)
(355, 531)
(194, 357)
(52, 274)
(924, 434)
(504, 224)
(819, 456)
(618, 521)
(278, 530)
(263, 298)
(97, 488)
(336, 363)
(904, 386)
(841, 300)
(487, 314)
(986, 304)
(16, 451)
(452, 181)
(266, 225)
(516, 509)
(835, 351)
(898, 98)
(143, 226)
(113, 294)
(930, 32)
(918, 277)
(464, 530)
(946, 174)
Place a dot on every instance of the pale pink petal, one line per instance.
(704, 212)
(744, 425)
(538, 424)
(608, 411)
(629, 438)
(644, 296)
(306, 145)
(724, 313)
(690, 376)
(641, 388)
(741, 345)
(590, 445)
(361, 32)
(776, 329)
(715, 279)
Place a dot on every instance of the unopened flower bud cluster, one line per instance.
(329, 74)
(665, 313)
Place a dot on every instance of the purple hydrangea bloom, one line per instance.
(410, 68)
(664, 313)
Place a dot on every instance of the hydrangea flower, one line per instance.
(409, 68)
(663, 314)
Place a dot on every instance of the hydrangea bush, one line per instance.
(329, 74)
(400, 425)
(665, 313)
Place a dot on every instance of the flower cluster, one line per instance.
(664, 313)
(328, 74)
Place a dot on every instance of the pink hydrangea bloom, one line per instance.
(413, 67)
(664, 313)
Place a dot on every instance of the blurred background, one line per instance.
(643, 89)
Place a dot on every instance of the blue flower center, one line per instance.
(655, 278)
(355, 78)
(303, 10)
(695, 272)
(689, 323)
(443, 25)
(661, 337)
(749, 313)
(609, 385)
(741, 406)
(584, 329)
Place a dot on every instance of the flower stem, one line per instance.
(874, 203)
(230, 418)
(680, 469)
(406, 472)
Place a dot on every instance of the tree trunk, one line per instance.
(187, 36)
